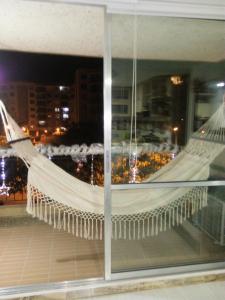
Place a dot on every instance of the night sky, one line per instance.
(43, 68)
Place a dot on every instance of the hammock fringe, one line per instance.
(133, 227)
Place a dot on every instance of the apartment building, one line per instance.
(88, 95)
(121, 113)
(41, 110)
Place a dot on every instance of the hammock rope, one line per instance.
(133, 118)
(69, 204)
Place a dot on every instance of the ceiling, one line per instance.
(60, 28)
(166, 38)
(51, 28)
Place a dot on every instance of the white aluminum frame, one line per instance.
(107, 146)
(156, 8)
(173, 8)
(134, 9)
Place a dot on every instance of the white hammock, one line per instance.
(82, 151)
(70, 204)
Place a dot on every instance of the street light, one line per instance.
(175, 130)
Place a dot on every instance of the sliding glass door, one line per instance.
(167, 142)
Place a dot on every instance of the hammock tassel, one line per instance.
(170, 219)
(101, 229)
(161, 223)
(92, 229)
(165, 220)
(156, 227)
(87, 227)
(177, 216)
(81, 233)
(181, 213)
(120, 229)
(96, 229)
(68, 223)
(31, 205)
(73, 224)
(129, 229)
(125, 229)
(59, 220)
(185, 210)
(153, 228)
(143, 229)
(50, 215)
(54, 218)
(64, 221)
(77, 227)
(37, 208)
(134, 230)
(173, 217)
(138, 230)
(41, 211)
(46, 213)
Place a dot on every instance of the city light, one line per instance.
(65, 116)
(176, 80)
(175, 130)
(61, 87)
(4, 189)
(220, 84)
(41, 122)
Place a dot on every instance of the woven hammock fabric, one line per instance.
(70, 204)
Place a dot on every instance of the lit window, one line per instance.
(61, 87)
(220, 84)
(41, 122)
(176, 80)
(119, 109)
(57, 109)
(65, 116)
(65, 109)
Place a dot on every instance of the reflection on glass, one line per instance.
(172, 130)
(147, 164)
(178, 88)
(193, 234)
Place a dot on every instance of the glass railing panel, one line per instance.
(187, 227)
(167, 99)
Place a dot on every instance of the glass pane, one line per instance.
(35, 252)
(188, 227)
(47, 242)
(168, 89)
(177, 89)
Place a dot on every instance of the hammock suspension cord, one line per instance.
(133, 120)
